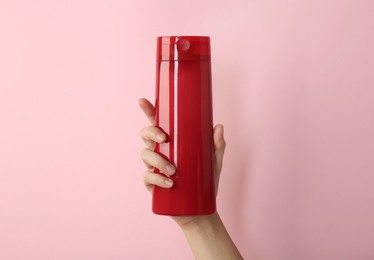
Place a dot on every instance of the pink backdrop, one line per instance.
(293, 84)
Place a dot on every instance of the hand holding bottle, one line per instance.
(151, 134)
(206, 235)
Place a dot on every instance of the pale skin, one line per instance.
(206, 235)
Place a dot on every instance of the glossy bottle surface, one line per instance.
(184, 112)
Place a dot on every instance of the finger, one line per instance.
(155, 160)
(148, 109)
(151, 179)
(150, 167)
(152, 134)
(219, 146)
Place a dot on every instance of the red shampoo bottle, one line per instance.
(184, 113)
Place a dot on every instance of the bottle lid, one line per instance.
(176, 48)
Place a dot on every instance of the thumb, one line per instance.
(219, 147)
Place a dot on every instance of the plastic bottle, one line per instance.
(184, 113)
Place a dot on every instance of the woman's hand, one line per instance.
(151, 134)
(206, 235)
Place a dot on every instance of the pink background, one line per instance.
(293, 84)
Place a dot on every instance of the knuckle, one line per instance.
(144, 133)
(222, 144)
(143, 152)
(141, 132)
(148, 133)
(146, 183)
(145, 176)
(149, 178)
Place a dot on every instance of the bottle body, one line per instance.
(184, 113)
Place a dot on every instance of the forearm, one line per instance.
(208, 239)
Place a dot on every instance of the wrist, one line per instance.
(201, 223)
(209, 239)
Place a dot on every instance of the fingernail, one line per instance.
(160, 137)
(170, 169)
(168, 182)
